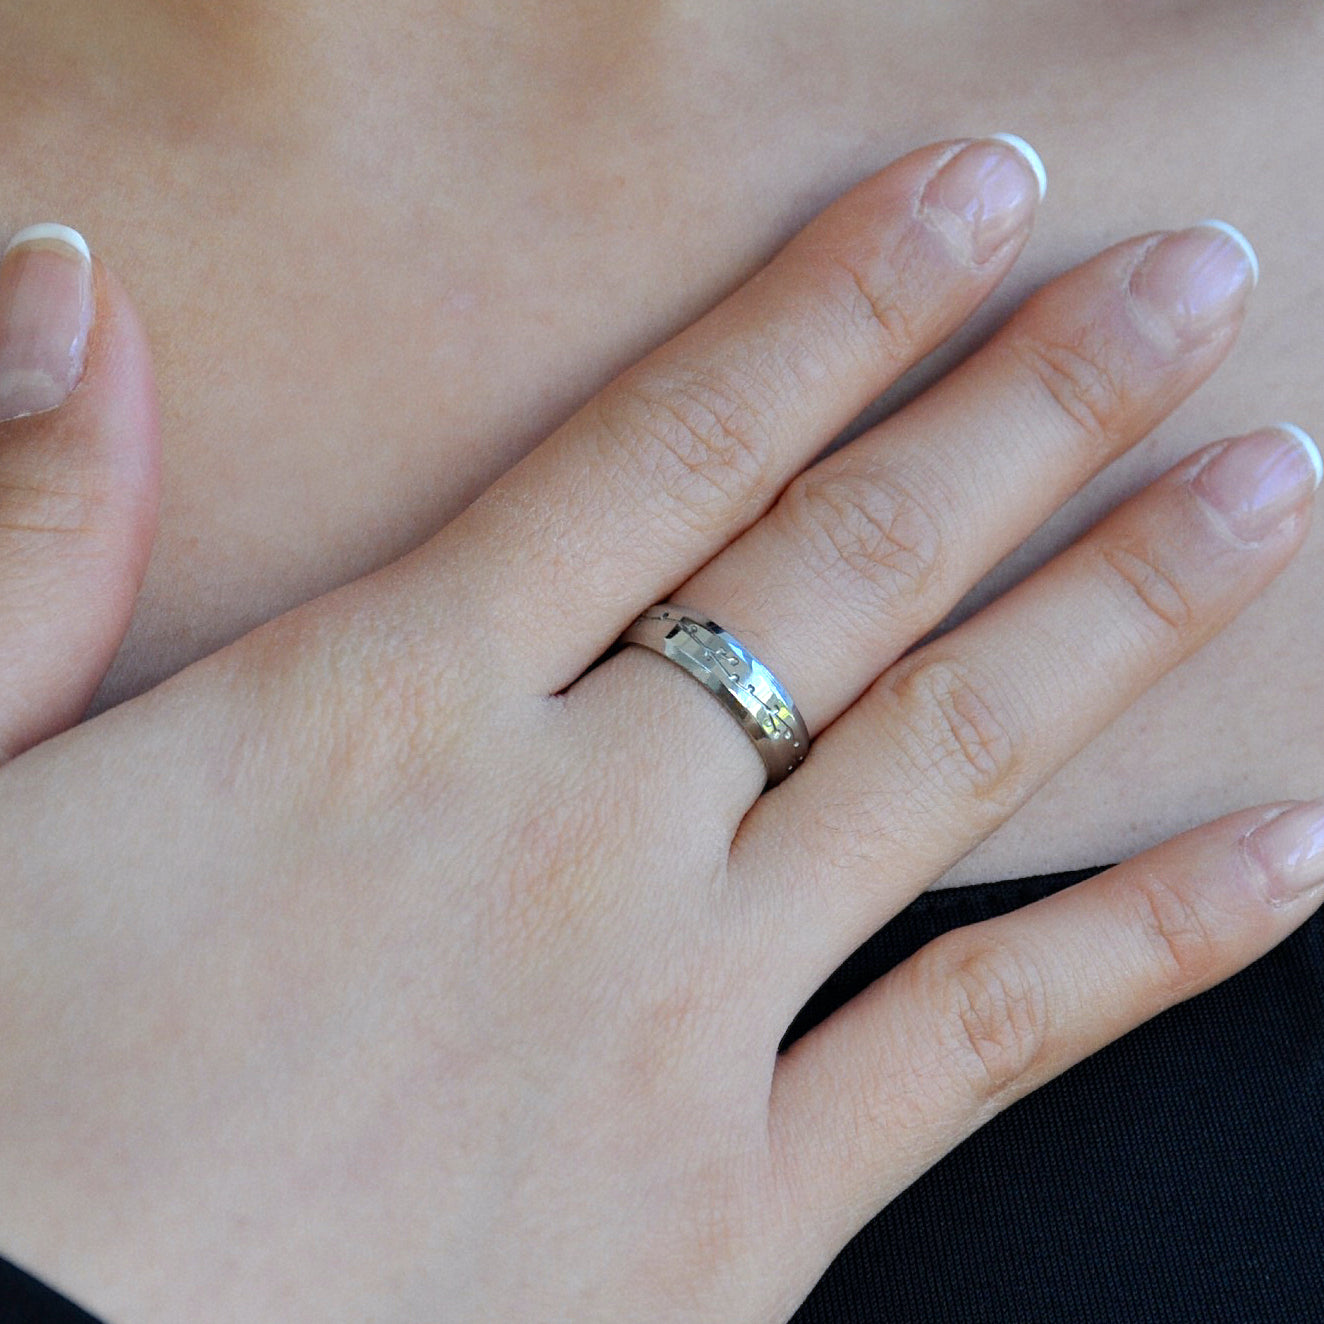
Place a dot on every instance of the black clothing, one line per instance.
(1176, 1177)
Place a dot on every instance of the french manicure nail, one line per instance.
(46, 309)
(1290, 847)
(1258, 480)
(1034, 160)
(986, 193)
(1192, 284)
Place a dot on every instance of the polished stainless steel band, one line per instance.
(719, 662)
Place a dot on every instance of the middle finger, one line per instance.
(869, 549)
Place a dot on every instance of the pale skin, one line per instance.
(369, 293)
(505, 278)
(382, 968)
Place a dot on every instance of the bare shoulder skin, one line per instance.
(380, 260)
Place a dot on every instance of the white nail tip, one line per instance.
(1031, 156)
(1238, 238)
(48, 231)
(1308, 445)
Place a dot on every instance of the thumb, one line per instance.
(79, 473)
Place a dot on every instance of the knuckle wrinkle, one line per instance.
(1077, 388)
(29, 508)
(871, 528)
(995, 1015)
(969, 745)
(1143, 582)
(1178, 936)
(877, 308)
(705, 444)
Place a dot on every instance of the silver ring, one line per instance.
(725, 667)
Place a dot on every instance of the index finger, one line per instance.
(682, 452)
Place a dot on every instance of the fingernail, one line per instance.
(1193, 283)
(986, 193)
(46, 308)
(1257, 481)
(1036, 162)
(1291, 850)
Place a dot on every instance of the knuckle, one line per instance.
(371, 723)
(853, 834)
(393, 710)
(867, 531)
(959, 732)
(531, 903)
(872, 308)
(993, 1012)
(706, 443)
(1148, 593)
(416, 713)
(1074, 383)
(1180, 940)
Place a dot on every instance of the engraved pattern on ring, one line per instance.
(748, 690)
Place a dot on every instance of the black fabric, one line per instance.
(23, 1300)
(1176, 1177)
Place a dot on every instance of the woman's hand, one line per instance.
(387, 966)
(78, 479)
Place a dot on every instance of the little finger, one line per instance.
(871, 1098)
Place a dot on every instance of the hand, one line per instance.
(78, 480)
(389, 964)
